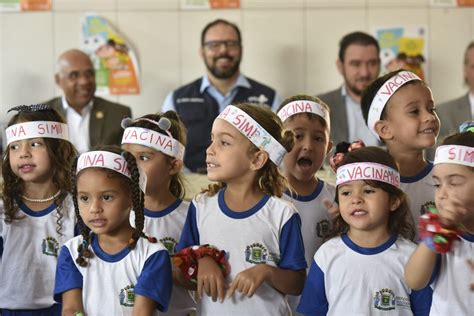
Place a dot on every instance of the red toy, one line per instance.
(436, 235)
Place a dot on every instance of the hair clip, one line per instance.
(341, 149)
(165, 125)
(30, 108)
(467, 126)
(126, 122)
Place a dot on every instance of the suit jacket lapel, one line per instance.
(464, 109)
(96, 123)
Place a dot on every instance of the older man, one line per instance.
(92, 120)
(199, 102)
(359, 64)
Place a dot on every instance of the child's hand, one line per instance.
(453, 212)
(436, 236)
(248, 281)
(210, 279)
(333, 208)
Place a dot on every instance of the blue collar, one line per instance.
(368, 251)
(30, 212)
(423, 173)
(240, 215)
(105, 256)
(164, 212)
(311, 196)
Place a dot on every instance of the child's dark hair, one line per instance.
(60, 152)
(462, 139)
(369, 93)
(178, 131)
(310, 116)
(269, 179)
(138, 202)
(400, 221)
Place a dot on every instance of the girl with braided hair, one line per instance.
(112, 268)
(36, 216)
(157, 142)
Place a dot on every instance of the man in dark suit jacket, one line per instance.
(92, 120)
(359, 64)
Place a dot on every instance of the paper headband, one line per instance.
(456, 154)
(108, 160)
(367, 171)
(384, 94)
(36, 129)
(303, 106)
(254, 132)
(155, 140)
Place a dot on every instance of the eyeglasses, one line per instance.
(216, 45)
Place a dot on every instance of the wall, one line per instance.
(289, 44)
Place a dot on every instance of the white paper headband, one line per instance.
(37, 129)
(303, 106)
(155, 140)
(384, 94)
(456, 154)
(108, 160)
(367, 171)
(254, 132)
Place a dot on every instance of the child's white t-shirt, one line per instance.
(268, 233)
(29, 249)
(167, 225)
(452, 279)
(110, 282)
(346, 279)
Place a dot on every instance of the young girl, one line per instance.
(157, 141)
(308, 118)
(37, 215)
(400, 110)
(449, 273)
(112, 268)
(359, 271)
(243, 215)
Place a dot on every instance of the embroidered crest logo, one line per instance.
(323, 228)
(428, 207)
(127, 296)
(50, 246)
(256, 253)
(384, 300)
(170, 244)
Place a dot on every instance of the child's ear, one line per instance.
(394, 203)
(259, 160)
(382, 127)
(175, 166)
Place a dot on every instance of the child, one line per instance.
(400, 110)
(359, 271)
(449, 273)
(242, 215)
(157, 142)
(110, 269)
(37, 215)
(308, 118)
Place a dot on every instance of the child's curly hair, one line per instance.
(61, 154)
(269, 179)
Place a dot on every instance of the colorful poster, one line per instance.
(10, 5)
(209, 4)
(403, 47)
(115, 62)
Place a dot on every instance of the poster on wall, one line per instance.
(209, 4)
(115, 62)
(403, 47)
(452, 3)
(24, 5)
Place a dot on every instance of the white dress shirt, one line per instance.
(78, 125)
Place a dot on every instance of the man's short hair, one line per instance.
(358, 38)
(216, 22)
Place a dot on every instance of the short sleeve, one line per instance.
(68, 276)
(190, 234)
(420, 301)
(291, 245)
(313, 299)
(156, 280)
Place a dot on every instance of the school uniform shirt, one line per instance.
(167, 225)
(452, 278)
(420, 191)
(29, 249)
(315, 222)
(346, 279)
(109, 282)
(268, 233)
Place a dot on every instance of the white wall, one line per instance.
(289, 44)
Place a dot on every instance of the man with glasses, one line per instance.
(92, 121)
(199, 102)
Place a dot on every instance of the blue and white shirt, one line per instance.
(268, 233)
(29, 249)
(346, 279)
(110, 282)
